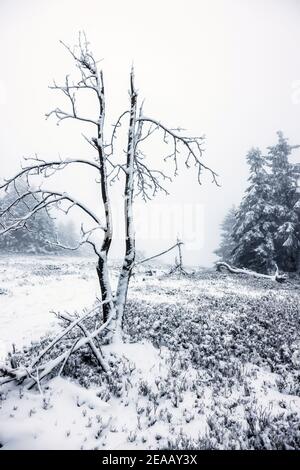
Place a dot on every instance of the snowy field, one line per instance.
(211, 360)
(33, 288)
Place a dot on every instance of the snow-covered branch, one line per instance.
(42, 167)
(192, 145)
(148, 181)
(86, 239)
(145, 260)
(90, 79)
(21, 373)
(62, 115)
(48, 197)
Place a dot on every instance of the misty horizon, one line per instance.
(224, 69)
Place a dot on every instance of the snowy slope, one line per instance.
(211, 361)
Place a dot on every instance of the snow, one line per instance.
(68, 416)
(144, 355)
(266, 393)
(164, 399)
(57, 419)
(32, 289)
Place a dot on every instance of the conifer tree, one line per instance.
(285, 200)
(227, 243)
(32, 238)
(254, 226)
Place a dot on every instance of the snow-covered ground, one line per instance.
(211, 361)
(33, 288)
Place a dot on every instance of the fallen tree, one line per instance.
(232, 269)
(37, 371)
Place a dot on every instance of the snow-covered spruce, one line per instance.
(264, 230)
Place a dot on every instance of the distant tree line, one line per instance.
(38, 234)
(265, 229)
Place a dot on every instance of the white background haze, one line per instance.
(227, 69)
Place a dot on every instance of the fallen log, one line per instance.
(61, 335)
(96, 351)
(232, 269)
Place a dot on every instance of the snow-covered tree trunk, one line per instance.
(124, 278)
(102, 266)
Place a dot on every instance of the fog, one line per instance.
(227, 69)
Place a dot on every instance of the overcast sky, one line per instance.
(229, 69)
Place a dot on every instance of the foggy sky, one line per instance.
(229, 69)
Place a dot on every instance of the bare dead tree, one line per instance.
(178, 267)
(138, 177)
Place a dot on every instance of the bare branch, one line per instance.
(62, 115)
(85, 240)
(46, 201)
(148, 180)
(192, 144)
(41, 167)
(159, 254)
